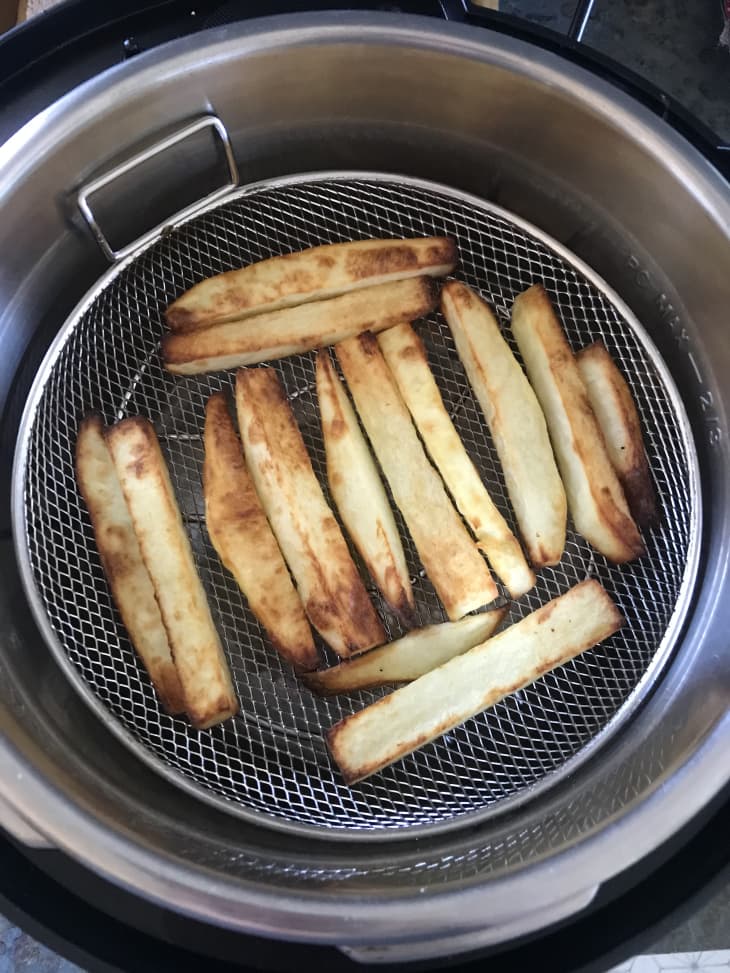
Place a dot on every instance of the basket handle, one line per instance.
(88, 190)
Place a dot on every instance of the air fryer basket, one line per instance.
(270, 763)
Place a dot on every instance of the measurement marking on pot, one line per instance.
(671, 319)
(697, 372)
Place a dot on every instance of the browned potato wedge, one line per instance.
(515, 420)
(615, 410)
(311, 275)
(121, 559)
(406, 356)
(241, 535)
(195, 645)
(449, 555)
(294, 330)
(407, 658)
(408, 718)
(310, 539)
(597, 503)
(358, 491)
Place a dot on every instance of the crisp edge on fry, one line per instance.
(349, 461)
(503, 395)
(295, 330)
(243, 539)
(124, 567)
(595, 498)
(452, 560)
(406, 356)
(361, 263)
(332, 591)
(145, 459)
(406, 658)
(425, 709)
(618, 417)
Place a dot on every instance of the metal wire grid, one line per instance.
(271, 760)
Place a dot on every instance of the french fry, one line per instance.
(515, 420)
(358, 491)
(406, 356)
(451, 559)
(294, 330)
(311, 275)
(597, 503)
(241, 535)
(121, 559)
(194, 642)
(310, 539)
(616, 413)
(407, 658)
(412, 716)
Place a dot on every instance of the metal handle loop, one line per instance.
(87, 191)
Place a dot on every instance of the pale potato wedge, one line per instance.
(407, 658)
(406, 356)
(595, 498)
(515, 420)
(310, 538)
(294, 330)
(240, 533)
(616, 413)
(359, 494)
(418, 713)
(121, 559)
(310, 275)
(194, 642)
(449, 555)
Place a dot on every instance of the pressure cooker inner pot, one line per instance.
(519, 129)
(271, 760)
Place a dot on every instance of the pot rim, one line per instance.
(247, 906)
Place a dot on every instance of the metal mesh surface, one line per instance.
(271, 760)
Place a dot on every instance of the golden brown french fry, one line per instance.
(121, 559)
(196, 647)
(407, 658)
(241, 535)
(358, 491)
(294, 330)
(408, 718)
(515, 420)
(449, 555)
(406, 356)
(597, 503)
(616, 413)
(310, 275)
(310, 539)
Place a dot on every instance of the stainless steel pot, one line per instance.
(552, 144)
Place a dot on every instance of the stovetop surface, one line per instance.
(674, 44)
